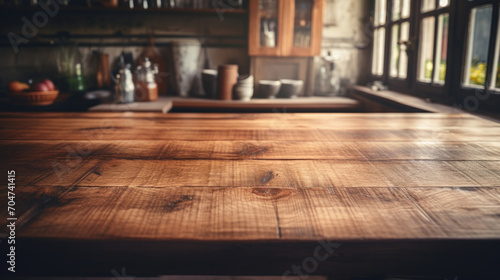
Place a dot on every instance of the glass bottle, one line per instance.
(76, 83)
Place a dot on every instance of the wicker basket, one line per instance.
(33, 98)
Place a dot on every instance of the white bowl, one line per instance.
(244, 85)
(243, 94)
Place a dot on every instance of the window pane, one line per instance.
(441, 48)
(477, 46)
(496, 76)
(378, 52)
(396, 9)
(393, 71)
(428, 5)
(426, 50)
(380, 7)
(495, 83)
(403, 56)
(444, 3)
(405, 13)
(375, 52)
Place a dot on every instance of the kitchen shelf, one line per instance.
(125, 9)
(108, 15)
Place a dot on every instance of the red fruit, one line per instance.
(49, 84)
(39, 87)
(16, 86)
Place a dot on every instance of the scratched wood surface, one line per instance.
(260, 179)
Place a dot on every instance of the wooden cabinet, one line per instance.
(285, 27)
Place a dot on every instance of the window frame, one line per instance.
(432, 90)
(486, 98)
(396, 82)
(452, 91)
(385, 59)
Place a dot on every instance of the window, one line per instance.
(495, 81)
(391, 41)
(400, 34)
(478, 68)
(379, 38)
(478, 42)
(433, 45)
(438, 48)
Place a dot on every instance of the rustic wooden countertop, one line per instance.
(253, 194)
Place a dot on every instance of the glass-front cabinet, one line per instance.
(285, 27)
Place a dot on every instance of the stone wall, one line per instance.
(347, 36)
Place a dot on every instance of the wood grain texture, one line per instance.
(337, 213)
(257, 150)
(280, 126)
(254, 191)
(250, 173)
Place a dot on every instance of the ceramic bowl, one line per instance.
(243, 93)
(245, 80)
(290, 88)
(268, 89)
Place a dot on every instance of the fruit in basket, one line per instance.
(39, 87)
(16, 86)
(49, 84)
(39, 94)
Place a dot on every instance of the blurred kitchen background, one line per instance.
(58, 40)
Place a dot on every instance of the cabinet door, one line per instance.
(305, 26)
(265, 28)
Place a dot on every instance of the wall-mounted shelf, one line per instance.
(134, 10)
(10, 20)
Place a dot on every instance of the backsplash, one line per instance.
(225, 40)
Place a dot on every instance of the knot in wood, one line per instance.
(272, 193)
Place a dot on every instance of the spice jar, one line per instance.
(146, 88)
(227, 78)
